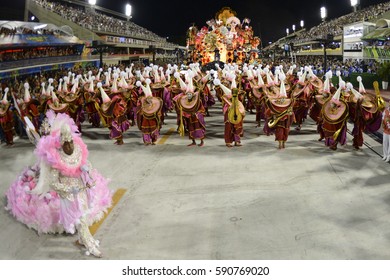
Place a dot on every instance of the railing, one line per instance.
(37, 61)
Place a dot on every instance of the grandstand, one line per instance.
(68, 32)
(336, 33)
(100, 24)
(29, 47)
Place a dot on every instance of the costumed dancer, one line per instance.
(335, 115)
(61, 192)
(234, 113)
(192, 114)
(280, 113)
(149, 113)
(257, 93)
(301, 93)
(178, 91)
(30, 107)
(6, 119)
(113, 111)
(315, 111)
(92, 102)
(386, 133)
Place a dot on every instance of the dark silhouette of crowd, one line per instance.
(99, 22)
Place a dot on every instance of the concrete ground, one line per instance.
(212, 202)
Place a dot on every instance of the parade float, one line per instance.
(225, 38)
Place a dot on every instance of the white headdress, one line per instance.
(130, 71)
(91, 84)
(99, 73)
(5, 100)
(66, 134)
(162, 76)
(190, 86)
(107, 78)
(354, 91)
(269, 79)
(361, 86)
(65, 84)
(27, 96)
(157, 78)
(76, 84)
(328, 76)
(260, 81)
(105, 97)
(282, 93)
(49, 84)
(336, 96)
(114, 87)
(122, 82)
(59, 88)
(53, 95)
(338, 74)
(226, 90)
(183, 85)
(302, 78)
(43, 89)
(146, 89)
(277, 73)
(233, 80)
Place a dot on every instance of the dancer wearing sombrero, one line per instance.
(335, 115)
(280, 113)
(192, 113)
(149, 112)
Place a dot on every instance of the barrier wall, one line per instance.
(13, 73)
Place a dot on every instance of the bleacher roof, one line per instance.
(382, 31)
(66, 30)
(64, 35)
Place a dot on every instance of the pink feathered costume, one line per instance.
(49, 208)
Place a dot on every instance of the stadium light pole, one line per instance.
(287, 31)
(128, 11)
(302, 23)
(324, 40)
(354, 4)
(323, 13)
(92, 3)
(128, 16)
(293, 28)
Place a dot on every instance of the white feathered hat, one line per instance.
(5, 100)
(105, 97)
(183, 85)
(328, 76)
(27, 96)
(226, 90)
(282, 92)
(361, 86)
(146, 89)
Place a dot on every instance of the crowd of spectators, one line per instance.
(346, 67)
(4, 31)
(7, 31)
(33, 53)
(99, 22)
(335, 26)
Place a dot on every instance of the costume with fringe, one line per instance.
(55, 193)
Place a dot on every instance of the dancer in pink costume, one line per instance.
(61, 192)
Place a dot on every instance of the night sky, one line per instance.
(269, 19)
